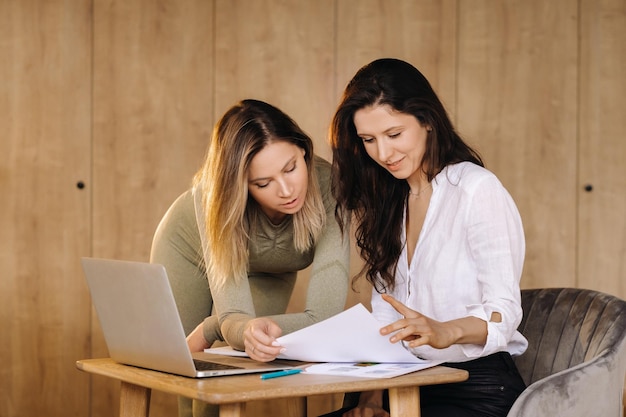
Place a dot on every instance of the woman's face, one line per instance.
(278, 179)
(396, 141)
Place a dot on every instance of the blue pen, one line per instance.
(281, 373)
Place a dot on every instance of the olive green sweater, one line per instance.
(273, 267)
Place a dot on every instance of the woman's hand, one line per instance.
(196, 340)
(366, 410)
(419, 330)
(370, 405)
(259, 338)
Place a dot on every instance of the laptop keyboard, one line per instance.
(212, 366)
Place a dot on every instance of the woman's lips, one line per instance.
(394, 166)
(291, 203)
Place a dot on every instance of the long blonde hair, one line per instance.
(230, 213)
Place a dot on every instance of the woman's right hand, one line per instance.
(196, 340)
(259, 339)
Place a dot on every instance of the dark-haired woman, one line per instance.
(441, 238)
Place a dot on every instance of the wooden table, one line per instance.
(232, 392)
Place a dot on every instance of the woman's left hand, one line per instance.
(418, 329)
(259, 338)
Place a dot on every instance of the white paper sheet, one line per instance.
(367, 369)
(350, 336)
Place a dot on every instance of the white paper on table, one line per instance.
(227, 351)
(368, 370)
(350, 336)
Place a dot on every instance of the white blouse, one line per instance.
(467, 262)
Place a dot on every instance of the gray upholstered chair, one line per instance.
(576, 357)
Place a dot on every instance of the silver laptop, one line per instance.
(142, 327)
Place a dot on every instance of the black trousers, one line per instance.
(493, 385)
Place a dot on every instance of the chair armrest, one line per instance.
(592, 388)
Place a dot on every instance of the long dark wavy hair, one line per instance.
(367, 193)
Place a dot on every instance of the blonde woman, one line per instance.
(260, 210)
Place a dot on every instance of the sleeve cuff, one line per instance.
(211, 330)
(495, 339)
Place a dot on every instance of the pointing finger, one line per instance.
(399, 307)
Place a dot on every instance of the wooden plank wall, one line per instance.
(121, 96)
(45, 219)
(518, 100)
(601, 155)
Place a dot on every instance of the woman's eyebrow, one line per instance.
(386, 131)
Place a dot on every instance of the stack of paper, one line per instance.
(350, 341)
(367, 369)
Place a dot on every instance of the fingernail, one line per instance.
(275, 343)
(283, 350)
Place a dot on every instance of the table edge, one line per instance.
(271, 389)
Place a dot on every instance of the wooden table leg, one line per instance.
(233, 410)
(296, 407)
(134, 400)
(404, 401)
